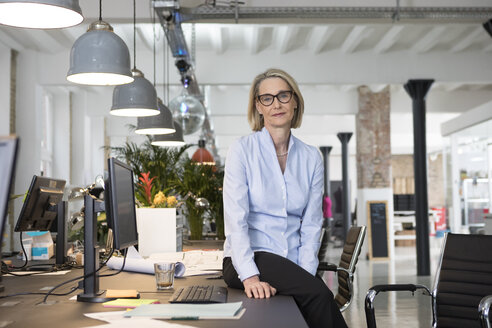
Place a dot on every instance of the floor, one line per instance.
(394, 309)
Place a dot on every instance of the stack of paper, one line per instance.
(129, 303)
(188, 311)
(187, 263)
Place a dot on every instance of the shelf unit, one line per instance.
(476, 201)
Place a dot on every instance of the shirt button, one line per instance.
(283, 233)
(285, 251)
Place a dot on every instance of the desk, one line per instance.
(278, 311)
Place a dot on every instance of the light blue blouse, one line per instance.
(265, 210)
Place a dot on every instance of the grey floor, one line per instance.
(395, 309)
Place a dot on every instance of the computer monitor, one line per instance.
(120, 204)
(39, 209)
(8, 156)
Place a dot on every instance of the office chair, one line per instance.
(463, 281)
(346, 268)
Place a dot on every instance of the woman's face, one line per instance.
(281, 111)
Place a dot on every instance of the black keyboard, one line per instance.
(200, 294)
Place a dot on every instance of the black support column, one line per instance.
(346, 213)
(417, 90)
(325, 150)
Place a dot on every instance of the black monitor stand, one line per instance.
(91, 293)
(61, 233)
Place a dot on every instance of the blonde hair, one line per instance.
(254, 118)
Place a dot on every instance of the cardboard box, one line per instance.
(42, 245)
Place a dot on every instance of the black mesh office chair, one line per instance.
(463, 281)
(346, 268)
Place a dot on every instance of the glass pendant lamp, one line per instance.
(188, 112)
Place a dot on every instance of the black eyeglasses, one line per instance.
(283, 96)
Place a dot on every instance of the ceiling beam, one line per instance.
(429, 40)
(355, 37)
(286, 36)
(254, 38)
(218, 37)
(469, 39)
(389, 39)
(45, 41)
(320, 35)
(10, 42)
(145, 33)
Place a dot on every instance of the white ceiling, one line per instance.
(330, 59)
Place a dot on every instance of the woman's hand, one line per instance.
(255, 288)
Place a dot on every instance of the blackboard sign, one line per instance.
(377, 221)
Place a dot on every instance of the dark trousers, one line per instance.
(312, 296)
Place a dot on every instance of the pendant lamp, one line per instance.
(43, 14)
(170, 140)
(99, 57)
(202, 156)
(188, 111)
(160, 124)
(139, 97)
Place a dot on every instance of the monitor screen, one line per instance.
(8, 155)
(120, 204)
(39, 208)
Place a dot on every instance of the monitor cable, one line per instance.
(25, 256)
(50, 292)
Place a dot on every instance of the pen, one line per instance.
(184, 318)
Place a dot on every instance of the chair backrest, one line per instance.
(348, 261)
(463, 278)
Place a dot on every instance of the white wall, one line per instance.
(61, 135)
(4, 90)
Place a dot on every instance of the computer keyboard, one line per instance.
(200, 294)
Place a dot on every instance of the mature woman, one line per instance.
(272, 204)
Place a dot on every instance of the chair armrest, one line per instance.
(325, 266)
(483, 310)
(373, 291)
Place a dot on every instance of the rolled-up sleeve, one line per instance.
(236, 211)
(312, 221)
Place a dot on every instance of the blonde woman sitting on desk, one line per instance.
(273, 187)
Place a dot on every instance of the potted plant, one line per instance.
(156, 168)
(156, 218)
(203, 181)
(163, 164)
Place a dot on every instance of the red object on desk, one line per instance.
(440, 223)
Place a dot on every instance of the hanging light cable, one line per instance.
(99, 56)
(162, 123)
(42, 14)
(138, 98)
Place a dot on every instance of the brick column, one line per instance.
(373, 139)
(374, 178)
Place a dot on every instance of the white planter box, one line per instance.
(156, 230)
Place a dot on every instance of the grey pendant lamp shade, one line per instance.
(160, 124)
(100, 57)
(170, 140)
(43, 14)
(138, 98)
